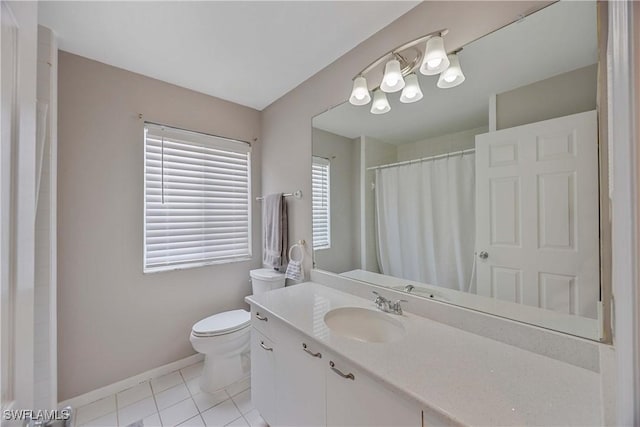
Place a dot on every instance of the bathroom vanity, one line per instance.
(297, 379)
(415, 372)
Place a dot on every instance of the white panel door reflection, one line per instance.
(537, 215)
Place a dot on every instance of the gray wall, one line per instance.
(558, 96)
(113, 320)
(286, 124)
(339, 150)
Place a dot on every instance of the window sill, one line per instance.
(186, 266)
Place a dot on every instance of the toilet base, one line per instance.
(220, 373)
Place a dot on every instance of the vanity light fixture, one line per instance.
(452, 76)
(411, 92)
(380, 103)
(400, 65)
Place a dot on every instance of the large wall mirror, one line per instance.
(484, 195)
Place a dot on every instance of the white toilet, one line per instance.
(224, 338)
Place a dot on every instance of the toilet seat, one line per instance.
(222, 323)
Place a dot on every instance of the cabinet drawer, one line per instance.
(262, 321)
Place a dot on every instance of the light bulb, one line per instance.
(452, 76)
(435, 57)
(412, 91)
(434, 62)
(449, 77)
(360, 93)
(392, 80)
(380, 103)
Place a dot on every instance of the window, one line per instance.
(320, 199)
(197, 191)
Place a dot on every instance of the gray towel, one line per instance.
(274, 230)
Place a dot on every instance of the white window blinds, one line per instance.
(320, 200)
(197, 191)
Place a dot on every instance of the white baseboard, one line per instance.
(106, 391)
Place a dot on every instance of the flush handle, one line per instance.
(349, 376)
(265, 347)
(318, 354)
(263, 318)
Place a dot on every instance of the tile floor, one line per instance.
(173, 400)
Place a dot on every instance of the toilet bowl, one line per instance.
(224, 338)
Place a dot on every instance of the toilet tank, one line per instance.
(266, 279)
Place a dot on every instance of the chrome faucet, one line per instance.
(409, 288)
(386, 305)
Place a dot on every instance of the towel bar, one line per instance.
(297, 194)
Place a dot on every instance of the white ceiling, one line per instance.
(557, 39)
(251, 53)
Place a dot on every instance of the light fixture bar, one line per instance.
(399, 49)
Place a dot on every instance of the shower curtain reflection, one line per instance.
(425, 221)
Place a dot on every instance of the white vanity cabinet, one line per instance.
(293, 383)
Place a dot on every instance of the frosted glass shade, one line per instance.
(411, 92)
(360, 92)
(452, 76)
(380, 103)
(392, 80)
(435, 57)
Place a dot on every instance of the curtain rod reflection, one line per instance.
(424, 159)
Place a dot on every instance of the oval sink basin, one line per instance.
(364, 325)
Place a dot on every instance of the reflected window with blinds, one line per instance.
(197, 193)
(320, 169)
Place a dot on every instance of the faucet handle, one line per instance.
(396, 307)
(380, 301)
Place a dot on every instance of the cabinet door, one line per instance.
(300, 374)
(263, 376)
(354, 399)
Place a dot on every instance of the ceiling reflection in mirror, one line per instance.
(483, 195)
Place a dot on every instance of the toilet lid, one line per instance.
(267, 274)
(222, 323)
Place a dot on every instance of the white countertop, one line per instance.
(469, 378)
